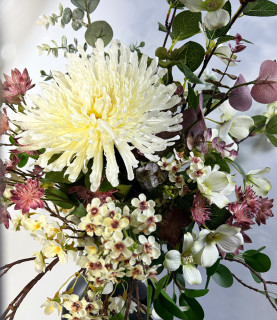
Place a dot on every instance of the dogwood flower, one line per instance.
(225, 238)
(110, 100)
(216, 19)
(200, 5)
(215, 185)
(174, 259)
(259, 184)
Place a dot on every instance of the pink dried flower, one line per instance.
(200, 209)
(241, 213)
(3, 168)
(27, 196)
(264, 211)
(4, 216)
(4, 122)
(252, 200)
(15, 86)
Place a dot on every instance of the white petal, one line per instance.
(188, 242)
(191, 274)
(216, 19)
(172, 260)
(209, 255)
(230, 243)
(240, 127)
(228, 230)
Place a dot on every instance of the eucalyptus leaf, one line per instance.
(99, 30)
(78, 14)
(185, 25)
(192, 55)
(67, 15)
(84, 4)
(189, 74)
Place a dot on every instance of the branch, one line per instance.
(129, 299)
(10, 265)
(208, 57)
(169, 27)
(258, 276)
(137, 298)
(14, 305)
(142, 306)
(245, 285)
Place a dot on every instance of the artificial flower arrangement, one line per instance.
(132, 181)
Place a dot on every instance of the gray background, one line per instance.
(136, 21)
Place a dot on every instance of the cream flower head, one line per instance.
(106, 101)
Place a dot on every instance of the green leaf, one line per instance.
(99, 30)
(118, 316)
(23, 160)
(189, 74)
(195, 311)
(59, 198)
(212, 269)
(160, 286)
(272, 139)
(67, 15)
(180, 279)
(258, 280)
(162, 53)
(81, 4)
(271, 126)
(216, 158)
(192, 98)
(162, 27)
(191, 293)
(192, 55)
(149, 299)
(185, 25)
(259, 122)
(218, 217)
(251, 252)
(170, 306)
(123, 190)
(261, 8)
(80, 211)
(238, 167)
(260, 262)
(56, 177)
(223, 276)
(161, 310)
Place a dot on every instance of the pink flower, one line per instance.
(3, 168)
(240, 98)
(200, 209)
(265, 89)
(27, 196)
(265, 210)
(241, 213)
(15, 86)
(4, 216)
(4, 122)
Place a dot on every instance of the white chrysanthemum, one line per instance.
(107, 101)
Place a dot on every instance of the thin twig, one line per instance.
(14, 305)
(258, 276)
(245, 284)
(142, 306)
(169, 27)
(10, 265)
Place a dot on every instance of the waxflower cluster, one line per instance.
(121, 167)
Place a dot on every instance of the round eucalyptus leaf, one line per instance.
(81, 4)
(67, 15)
(76, 24)
(99, 30)
(78, 14)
